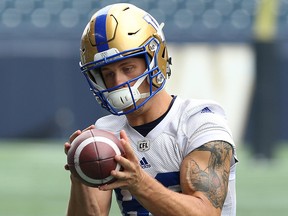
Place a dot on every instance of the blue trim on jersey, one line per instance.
(167, 179)
(100, 25)
(130, 206)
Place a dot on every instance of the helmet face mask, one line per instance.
(111, 36)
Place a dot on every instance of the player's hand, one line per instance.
(132, 176)
(67, 144)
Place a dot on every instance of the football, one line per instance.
(91, 157)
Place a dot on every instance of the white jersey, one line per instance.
(188, 125)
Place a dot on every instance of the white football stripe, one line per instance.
(82, 146)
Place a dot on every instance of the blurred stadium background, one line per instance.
(233, 51)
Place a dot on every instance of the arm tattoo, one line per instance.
(213, 179)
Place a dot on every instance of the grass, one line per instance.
(34, 182)
(262, 185)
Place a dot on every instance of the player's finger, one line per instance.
(113, 185)
(74, 135)
(78, 132)
(125, 141)
(125, 163)
(108, 187)
(88, 128)
(67, 146)
(124, 136)
(129, 153)
(66, 167)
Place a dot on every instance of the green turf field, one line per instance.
(34, 182)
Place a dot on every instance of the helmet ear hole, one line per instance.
(91, 77)
(95, 76)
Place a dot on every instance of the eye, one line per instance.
(108, 74)
(128, 69)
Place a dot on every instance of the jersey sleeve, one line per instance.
(207, 123)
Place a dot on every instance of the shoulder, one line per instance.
(111, 123)
(195, 113)
(198, 106)
(202, 121)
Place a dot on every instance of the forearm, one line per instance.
(161, 201)
(83, 200)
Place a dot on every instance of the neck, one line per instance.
(152, 110)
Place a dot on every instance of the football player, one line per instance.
(180, 155)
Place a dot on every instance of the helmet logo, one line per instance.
(153, 46)
(160, 78)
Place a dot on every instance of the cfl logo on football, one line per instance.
(143, 145)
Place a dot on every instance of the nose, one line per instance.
(118, 79)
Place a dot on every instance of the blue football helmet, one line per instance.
(117, 32)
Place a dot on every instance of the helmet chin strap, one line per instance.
(122, 98)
